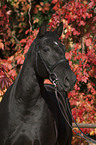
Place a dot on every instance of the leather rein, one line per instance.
(53, 78)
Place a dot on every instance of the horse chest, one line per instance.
(36, 126)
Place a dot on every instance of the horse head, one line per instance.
(50, 59)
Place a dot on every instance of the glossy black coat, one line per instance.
(29, 109)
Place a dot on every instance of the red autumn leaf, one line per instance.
(20, 59)
(70, 63)
(23, 41)
(74, 113)
(68, 55)
(4, 81)
(12, 73)
(72, 93)
(55, 7)
(41, 3)
(76, 33)
(27, 32)
(54, 1)
(84, 79)
(91, 4)
(46, 6)
(67, 34)
(88, 41)
(8, 65)
(35, 10)
(80, 112)
(1, 46)
(82, 23)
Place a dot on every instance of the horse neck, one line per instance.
(28, 88)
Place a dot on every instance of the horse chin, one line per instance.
(63, 88)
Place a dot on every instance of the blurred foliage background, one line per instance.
(19, 24)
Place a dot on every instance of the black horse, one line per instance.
(29, 112)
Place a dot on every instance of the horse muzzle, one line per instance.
(69, 82)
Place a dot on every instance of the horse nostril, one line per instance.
(66, 81)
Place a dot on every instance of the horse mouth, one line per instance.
(64, 88)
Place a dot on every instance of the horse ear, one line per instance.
(59, 29)
(42, 29)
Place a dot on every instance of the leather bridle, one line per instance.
(53, 78)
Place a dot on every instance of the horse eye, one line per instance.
(46, 49)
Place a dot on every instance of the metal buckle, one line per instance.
(53, 79)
